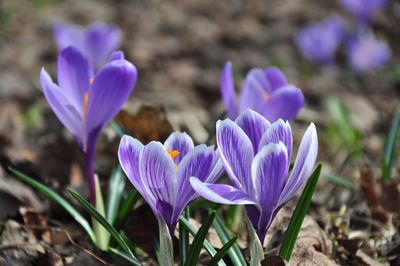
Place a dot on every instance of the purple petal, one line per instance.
(158, 174)
(116, 55)
(128, 153)
(220, 193)
(111, 88)
(254, 125)
(198, 163)
(269, 171)
(181, 142)
(255, 91)
(278, 131)
(303, 165)
(217, 168)
(236, 153)
(101, 40)
(228, 90)
(74, 73)
(61, 106)
(284, 103)
(66, 35)
(275, 77)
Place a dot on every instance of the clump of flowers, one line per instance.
(319, 41)
(265, 91)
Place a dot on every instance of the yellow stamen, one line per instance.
(173, 153)
(85, 103)
(266, 96)
(91, 81)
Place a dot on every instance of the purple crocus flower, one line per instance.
(319, 41)
(85, 102)
(365, 52)
(264, 90)
(96, 42)
(364, 10)
(256, 155)
(161, 172)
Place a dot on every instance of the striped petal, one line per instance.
(181, 142)
(228, 90)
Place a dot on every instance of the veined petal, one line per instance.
(275, 77)
(236, 153)
(228, 91)
(254, 125)
(66, 35)
(74, 73)
(255, 91)
(284, 103)
(111, 88)
(217, 168)
(220, 193)
(128, 154)
(269, 170)
(303, 165)
(157, 172)
(61, 106)
(100, 41)
(198, 163)
(278, 131)
(181, 142)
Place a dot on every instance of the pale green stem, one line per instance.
(166, 247)
(102, 235)
(256, 248)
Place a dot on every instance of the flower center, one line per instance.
(91, 81)
(266, 96)
(85, 103)
(173, 153)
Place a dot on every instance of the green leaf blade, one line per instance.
(116, 187)
(96, 215)
(221, 253)
(198, 241)
(390, 146)
(298, 215)
(51, 194)
(234, 253)
(184, 238)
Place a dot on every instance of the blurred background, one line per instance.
(179, 48)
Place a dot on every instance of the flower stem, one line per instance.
(166, 247)
(89, 161)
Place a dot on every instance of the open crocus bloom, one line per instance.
(96, 42)
(265, 91)
(365, 52)
(256, 155)
(85, 102)
(364, 10)
(161, 172)
(319, 41)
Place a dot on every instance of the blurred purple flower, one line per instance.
(96, 42)
(364, 10)
(265, 91)
(256, 155)
(85, 102)
(161, 172)
(365, 52)
(319, 41)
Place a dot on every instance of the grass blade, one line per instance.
(96, 215)
(116, 187)
(198, 240)
(184, 238)
(298, 215)
(221, 253)
(51, 194)
(234, 253)
(390, 145)
(125, 256)
(206, 244)
(126, 208)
